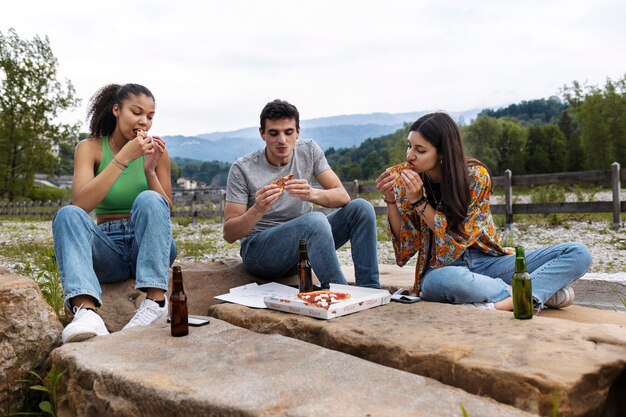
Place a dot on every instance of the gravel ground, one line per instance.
(203, 243)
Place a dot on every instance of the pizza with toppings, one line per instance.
(323, 298)
(281, 182)
(397, 169)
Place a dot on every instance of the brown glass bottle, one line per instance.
(522, 287)
(178, 305)
(305, 283)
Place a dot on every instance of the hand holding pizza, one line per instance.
(384, 184)
(299, 188)
(151, 159)
(414, 185)
(266, 196)
(386, 180)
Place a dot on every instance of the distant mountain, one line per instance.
(336, 131)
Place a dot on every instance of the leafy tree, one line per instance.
(31, 98)
(482, 139)
(540, 111)
(575, 160)
(545, 149)
(601, 115)
(512, 145)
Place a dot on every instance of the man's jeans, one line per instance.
(273, 253)
(140, 247)
(477, 277)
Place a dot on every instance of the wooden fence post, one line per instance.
(617, 202)
(193, 208)
(222, 206)
(356, 188)
(508, 198)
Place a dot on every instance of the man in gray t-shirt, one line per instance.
(271, 221)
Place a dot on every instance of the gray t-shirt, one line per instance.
(251, 172)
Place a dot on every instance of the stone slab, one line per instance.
(223, 370)
(592, 292)
(489, 353)
(202, 283)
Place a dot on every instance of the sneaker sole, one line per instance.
(80, 337)
(568, 301)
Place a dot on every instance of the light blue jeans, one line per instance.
(273, 253)
(141, 247)
(477, 277)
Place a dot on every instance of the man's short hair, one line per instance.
(277, 110)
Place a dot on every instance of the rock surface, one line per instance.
(591, 292)
(223, 370)
(516, 362)
(202, 282)
(29, 330)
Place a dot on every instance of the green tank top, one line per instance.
(131, 182)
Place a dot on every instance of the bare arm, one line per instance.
(332, 194)
(238, 221)
(88, 190)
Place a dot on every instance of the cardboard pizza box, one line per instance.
(361, 299)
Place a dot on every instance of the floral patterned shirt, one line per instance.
(447, 246)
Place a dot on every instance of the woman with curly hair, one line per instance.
(123, 175)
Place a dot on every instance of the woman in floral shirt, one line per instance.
(438, 207)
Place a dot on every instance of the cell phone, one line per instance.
(198, 321)
(195, 321)
(402, 296)
(405, 299)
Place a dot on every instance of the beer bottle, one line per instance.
(305, 283)
(178, 305)
(522, 288)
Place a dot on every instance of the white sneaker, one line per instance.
(562, 298)
(484, 306)
(148, 313)
(85, 325)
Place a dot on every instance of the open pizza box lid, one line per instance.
(284, 298)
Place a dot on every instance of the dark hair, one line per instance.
(102, 121)
(443, 133)
(279, 109)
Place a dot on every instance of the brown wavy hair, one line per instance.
(443, 133)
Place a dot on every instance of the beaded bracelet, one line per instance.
(389, 202)
(419, 202)
(421, 211)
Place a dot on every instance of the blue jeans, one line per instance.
(273, 253)
(477, 277)
(141, 247)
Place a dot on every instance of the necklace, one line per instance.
(431, 192)
(114, 147)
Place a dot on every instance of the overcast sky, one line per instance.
(213, 65)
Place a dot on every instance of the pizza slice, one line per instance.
(324, 298)
(396, 170)
(281, 182)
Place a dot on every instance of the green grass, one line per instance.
(195, 249)
(40, 265)
(47, 392)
